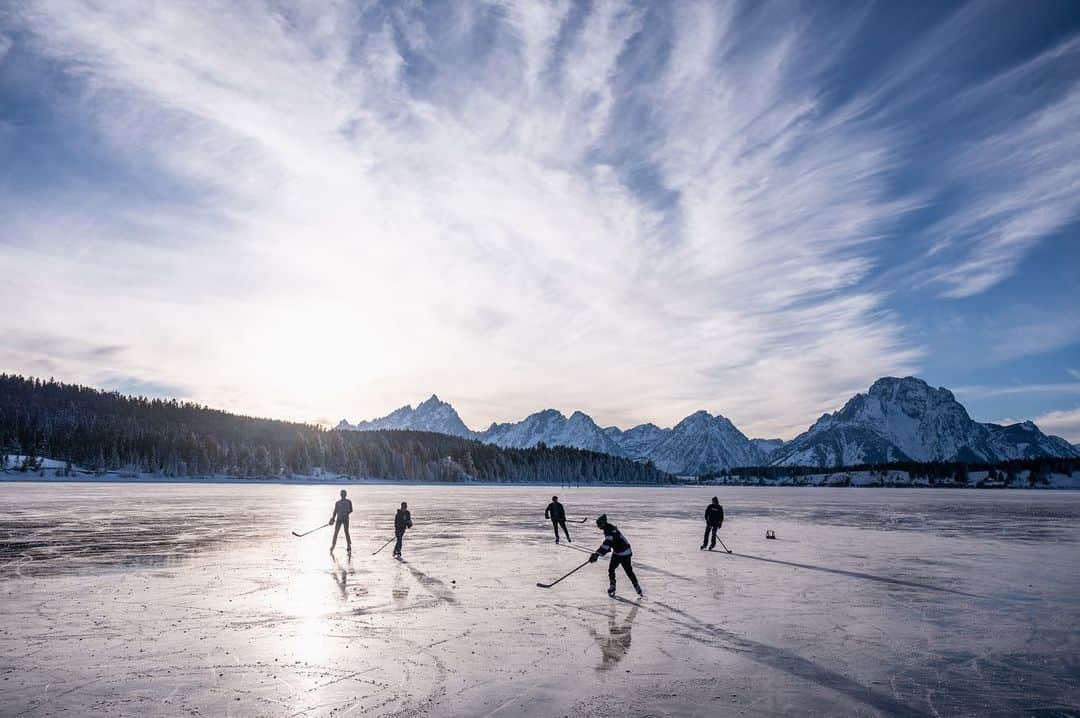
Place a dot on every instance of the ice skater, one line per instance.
(714, 519)
(402, 521)
(340, 520)
(621, 554)
(557, 513)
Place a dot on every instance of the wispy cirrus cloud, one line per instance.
(983, 391)
(1017, 181)
(635, 210)
(1036, 336)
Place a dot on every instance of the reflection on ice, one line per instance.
(341, 576)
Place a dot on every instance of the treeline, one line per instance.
(935, 472)
(106, 431)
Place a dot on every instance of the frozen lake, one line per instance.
(195, 599)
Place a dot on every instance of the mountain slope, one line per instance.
(702, 443)
(767, 447)
(551, 428)
(430, 415)
(1024, 441)
(638, 442)
(906, 419)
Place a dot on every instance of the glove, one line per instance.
(408, 525)
(330, 522)
(594, 557)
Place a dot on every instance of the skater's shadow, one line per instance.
(433, 585)
(859, 574)
(779, 659)
(615, 645)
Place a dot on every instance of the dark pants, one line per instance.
(348, 539)
(555, 524)
(710, 529)
(623, 561)
(397, 546)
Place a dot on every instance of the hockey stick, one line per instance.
(722, 544)
(578, 548)
(549, 585)
(321, 526)
(575, 521)
(384, 545)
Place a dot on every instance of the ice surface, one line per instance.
(185, 599)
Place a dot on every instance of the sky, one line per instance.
(321, 210)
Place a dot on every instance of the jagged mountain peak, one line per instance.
(901, 419)
(552, 428)
(702, 417)
(429, 415)
(896, 419)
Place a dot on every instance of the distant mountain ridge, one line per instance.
(430, 415)
(898, 419)
(698, 444)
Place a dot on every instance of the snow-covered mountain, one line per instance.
(767, 447)
(702, 443)
(430, 415)
(1025, 441)
(637, 443)
(906, 419)
(550, 427)
(896, 420)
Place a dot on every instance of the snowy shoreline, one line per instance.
(55, 471)
(1057, 482)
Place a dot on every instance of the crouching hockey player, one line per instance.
(621, 554)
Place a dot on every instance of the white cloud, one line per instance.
(1021, 182)
(385, 210)
(982, 392)
(1036, 337)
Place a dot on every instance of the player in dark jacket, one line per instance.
(340, 519)
(620, 550)
(402, 521)
(714, 519)
(557, 513)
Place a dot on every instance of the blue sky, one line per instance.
(638, 210)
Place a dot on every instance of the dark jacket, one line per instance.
(555, 512)
(615, 542)
(714, 515)
(402, 521)
(342, 509)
